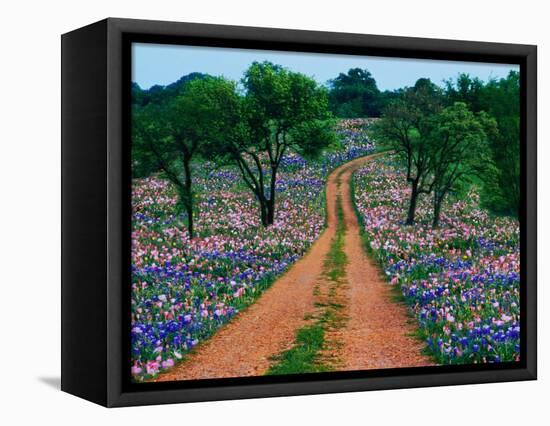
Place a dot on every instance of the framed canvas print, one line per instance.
(252, 212)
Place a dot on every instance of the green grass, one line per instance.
(304, 356)
(337, 260)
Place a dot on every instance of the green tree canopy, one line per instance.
(457, 147)
(500, 99)
(355, 94)
(158, 94)
(465, 89)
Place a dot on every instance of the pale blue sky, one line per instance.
(163, 64)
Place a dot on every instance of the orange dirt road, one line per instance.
(375, 335)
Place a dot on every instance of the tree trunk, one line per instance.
(190, 229)
(270, 212)
(271, 201)
(264, 213)
(412, 203)
(188, 202)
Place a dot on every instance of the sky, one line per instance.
(163, 64)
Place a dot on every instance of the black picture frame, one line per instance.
(95, 211)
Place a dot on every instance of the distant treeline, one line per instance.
(351, 95)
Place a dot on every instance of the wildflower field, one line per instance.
(236, 165)
(184, 289)
(461, 281)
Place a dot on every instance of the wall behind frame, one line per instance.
(30, 172)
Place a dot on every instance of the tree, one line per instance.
(280, 110)
(171, 134)
(465, 89)
(457, 147)
(404, 127)
(355, 94)
(387, 97)
(150, 139)
(158, 94)
(284, 110)
(500, 99)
